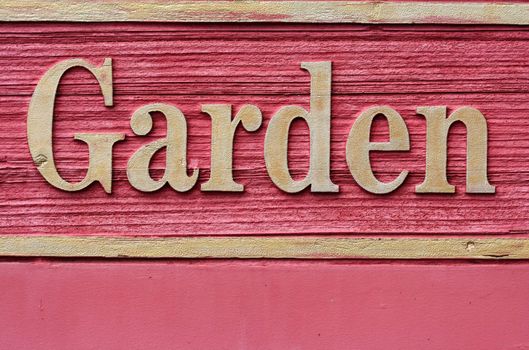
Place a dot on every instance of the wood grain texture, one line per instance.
(264, 247)
(436, 12)
(189, 65)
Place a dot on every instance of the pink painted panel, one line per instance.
(189, 65)
(263, 305)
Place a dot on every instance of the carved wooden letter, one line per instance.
(358, 148)
(437, 130)
(40, 126)
(176, 151)
(222, 133)
(319, 123)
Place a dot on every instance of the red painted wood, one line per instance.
(189, 65)
(263, 305)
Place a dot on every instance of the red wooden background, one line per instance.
(265, 304)
(189, 65)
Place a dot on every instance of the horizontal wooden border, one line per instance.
(264, 247)
(424, 12)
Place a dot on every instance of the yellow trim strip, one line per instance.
(425, 12)
(264, 247)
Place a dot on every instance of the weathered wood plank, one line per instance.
(264, 247)
(451, 12)
(190, 65)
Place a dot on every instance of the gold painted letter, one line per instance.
(319, 123)
(358, 148)
(40, 126)
(176, 151)
(222, 133)
(437, 130)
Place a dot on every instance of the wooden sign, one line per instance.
(278, 140)
(264, 174)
